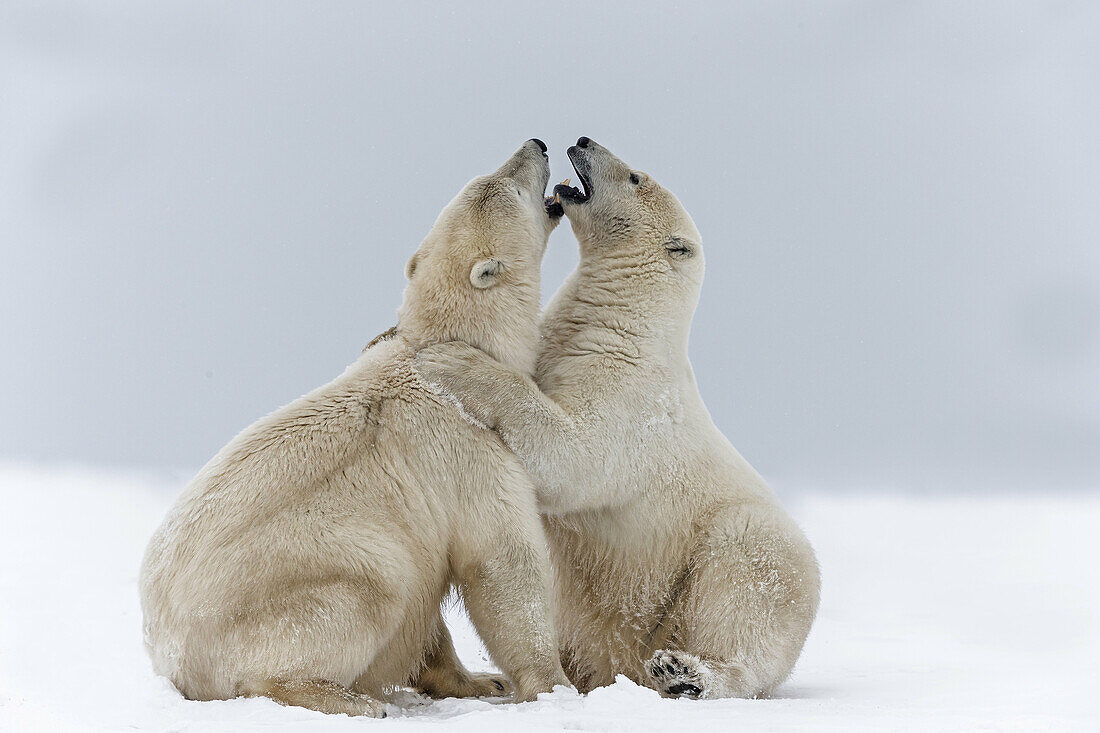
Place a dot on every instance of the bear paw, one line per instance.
(466, 685)
(676, 674)
(489, 685)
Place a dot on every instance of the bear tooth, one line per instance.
(557, 198)
(566, 181)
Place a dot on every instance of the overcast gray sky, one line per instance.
(205, 210)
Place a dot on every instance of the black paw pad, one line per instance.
(684, 689)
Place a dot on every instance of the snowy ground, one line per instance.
(960, 614)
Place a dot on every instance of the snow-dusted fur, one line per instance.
(674, 563)
(307, 561)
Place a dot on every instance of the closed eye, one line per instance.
(679, 249)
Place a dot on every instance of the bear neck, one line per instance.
(613, 301)
(506, 331)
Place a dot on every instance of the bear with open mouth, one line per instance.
(307, 561)
(674, 563)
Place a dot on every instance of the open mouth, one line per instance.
(584, 175)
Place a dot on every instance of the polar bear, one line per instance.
(307, 561)
(674, 563)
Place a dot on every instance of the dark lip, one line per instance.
(584, 174)
(553, 207)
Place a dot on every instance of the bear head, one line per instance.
(476, 276)
(623, 218)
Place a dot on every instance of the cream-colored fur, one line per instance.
(307, 561)
(675, 564)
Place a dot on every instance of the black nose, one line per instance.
(538, 142)
(582, 142)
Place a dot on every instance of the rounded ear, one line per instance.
(486, 273)
(410, 266)
(680, 249)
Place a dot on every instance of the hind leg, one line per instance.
(746, 609)
(444, 676)
(307, 644)
(320, 695)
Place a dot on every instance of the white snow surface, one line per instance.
(949, 613)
